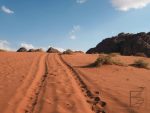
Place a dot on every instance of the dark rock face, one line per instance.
(125, 44)
(35, 50)
(31, 50)
(22, 49)
(52, 50)
(68, 51)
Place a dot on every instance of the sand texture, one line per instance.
(53, 83)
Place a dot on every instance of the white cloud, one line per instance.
(73, 37)
(125, 5)
(75, 28)
(73, 32)
(59, 49)
(5, 45)
(27, 46)
(7, 10)
(81, 1)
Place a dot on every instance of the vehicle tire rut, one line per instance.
(97, 105)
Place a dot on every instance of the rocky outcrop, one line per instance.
(22, 49)
(125, 44)
(52, 50)
(35, 50)
(68, 51)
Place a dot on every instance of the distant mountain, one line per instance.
(125, 44)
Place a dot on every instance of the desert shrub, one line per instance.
(141, 54)
(119, 63)
(103, 60)
(106, 60)
(68, 51)
(114, 54)
(141, 64)
(102, 54)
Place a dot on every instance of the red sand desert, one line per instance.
(53, 83)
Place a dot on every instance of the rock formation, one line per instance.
(68, 51)
(22, 49)
(125, 44)
(35, 50)
(52, 50)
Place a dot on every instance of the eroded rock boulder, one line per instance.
(53, 50)
(22, 49)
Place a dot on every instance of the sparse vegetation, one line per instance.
(141, 64)
(106, 60)
(114, 54)
(102, 54)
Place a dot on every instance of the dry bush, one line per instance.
(114, 54)
(103, 54)
(106, 60)
(141, 64)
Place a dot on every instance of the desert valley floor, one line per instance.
(54, 83)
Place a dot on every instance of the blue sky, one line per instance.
(75, 24)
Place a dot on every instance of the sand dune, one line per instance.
(14, 70)
(115, 82)
(38, 83)
(60, 93)
(53, 83)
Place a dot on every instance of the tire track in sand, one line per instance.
(54, 89)
(26, 95)
(60, 94)
(97, 105)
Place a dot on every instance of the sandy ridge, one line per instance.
(24, 99)
(114, 82)
(97, 105)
